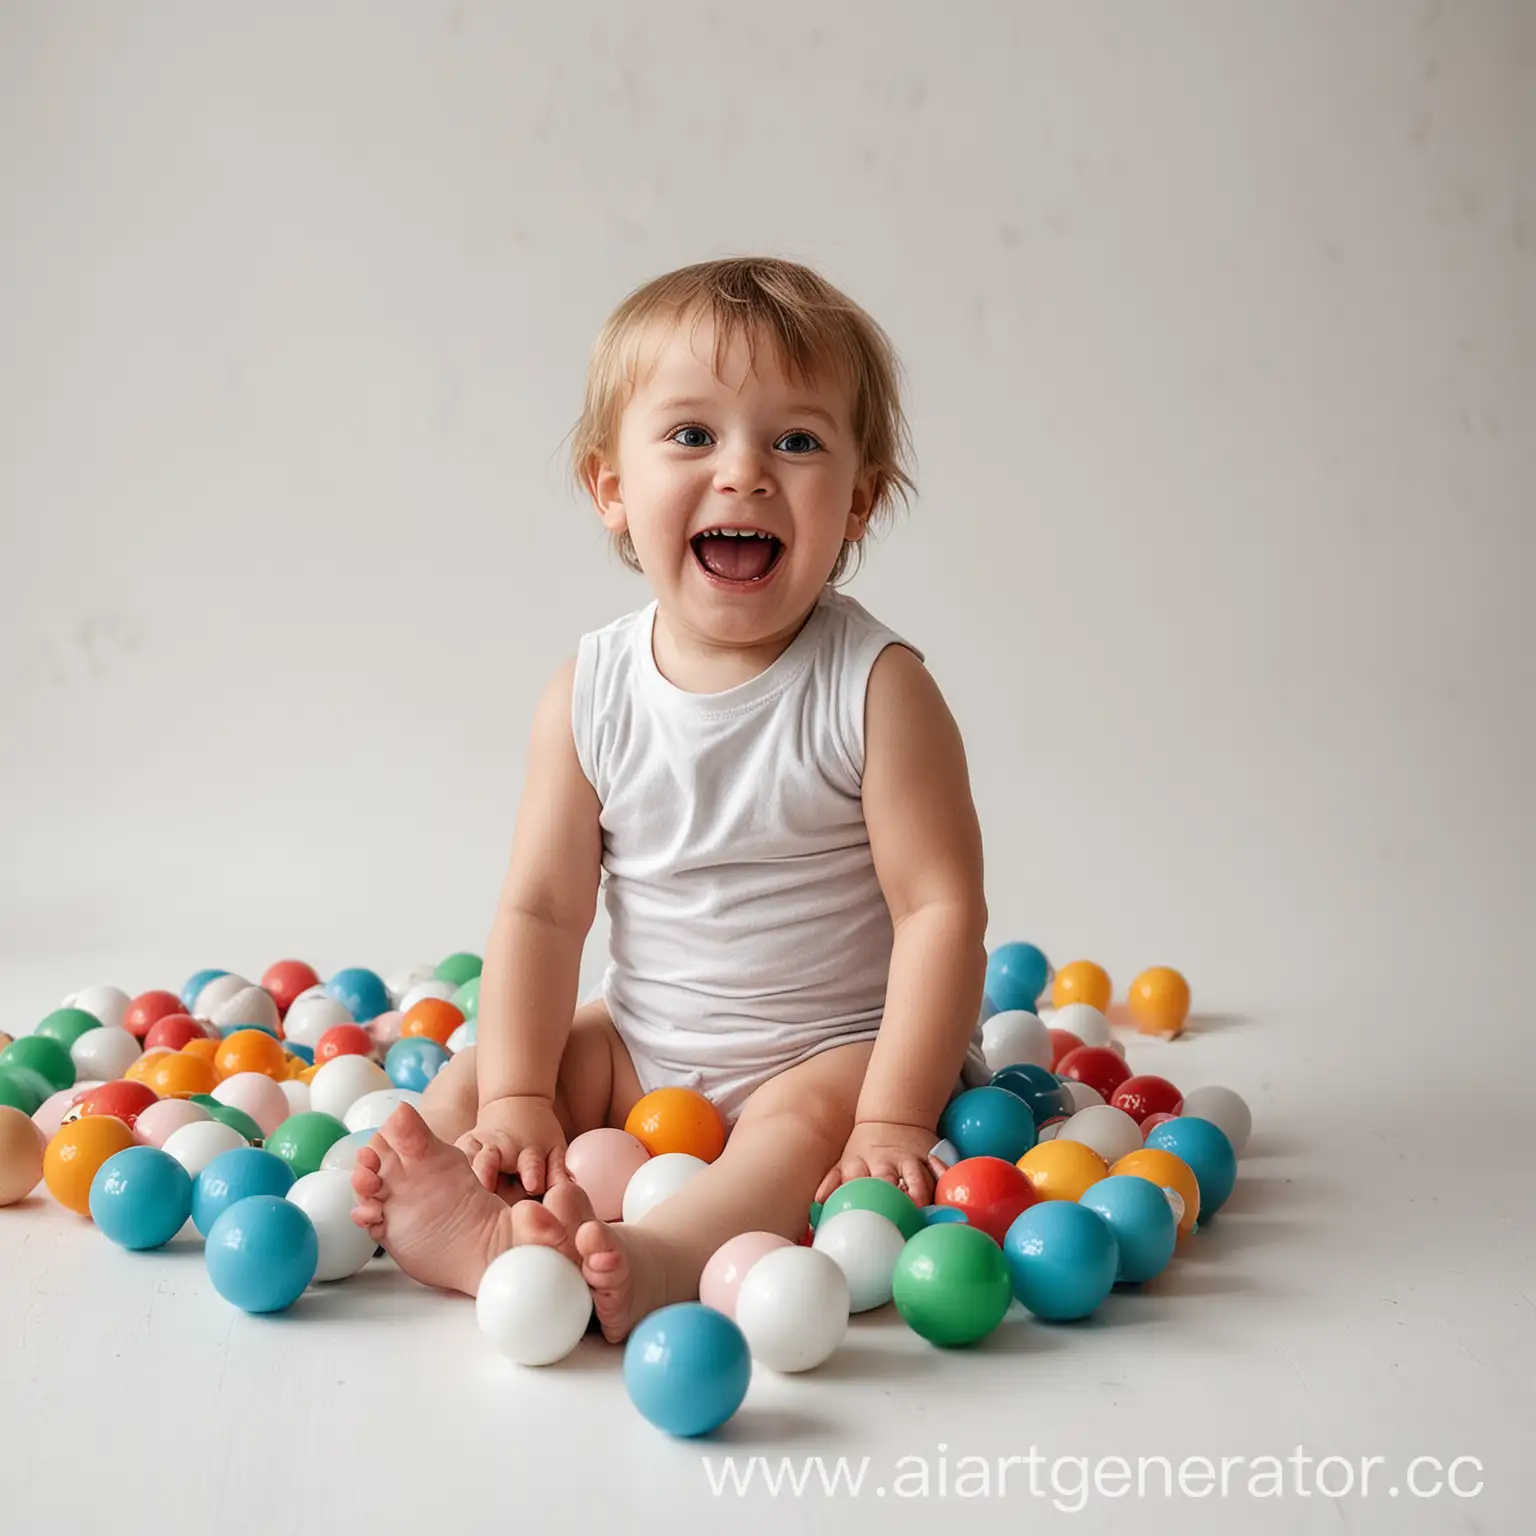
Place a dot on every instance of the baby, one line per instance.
(770, 789)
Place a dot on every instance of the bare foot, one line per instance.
(624, 1271)
(419, 1198)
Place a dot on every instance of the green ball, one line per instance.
(66, 1025)
(303, 1140)
(815, 1220)
(46, 1057)
(951, 1284)
(459, 968)
(467, 998)
(236, 1119)
(875, 1195)
(22, 1088)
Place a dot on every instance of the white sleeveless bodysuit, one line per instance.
(748, 930)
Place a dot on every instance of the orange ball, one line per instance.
(1167, 1172)
(1082, 981)
(433, 1018)
(677, 1120)
(145, 1064)
(294, 1068)
(207, 1049)
(250, 1050)
(1062, 1170)
(1160, 1001)
(179, 1076)
(74, 1155)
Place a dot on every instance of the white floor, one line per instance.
(1367, 1293)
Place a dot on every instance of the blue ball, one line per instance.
(1062, 1259)
(1144, 1227)
(415, 1062)
(1208, 1152)
(195, 984)
(1039, 1088)
(1016, 976)
(988, 1122)
(261, 1253)
(687, 1368)
(305, 1053)
(236, 1175)
(141, 1197)
(937, 1215)
(363, 991)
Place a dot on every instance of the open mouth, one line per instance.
(741, 555)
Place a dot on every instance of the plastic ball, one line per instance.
(164, 1118)
(1109, 1131)
(249, 1007)
(1098, 1066)
(1082, 1095)
(217, 992)
(1207, 1151)
(687, 1368)
(297, 1095)
(793, 1306)
(951, 1285)
(658, 1179)
(603, 1162)
(1087, 1023)
(284, 980)
(385, 1030)
(261, 1253)
(442, 991)
(989, 1122)
(1039, 1088)
(1144, 1095)
(934, 1215)
(21, 1155)
(1226, 1110)
(66, 1025)
(258, 1096)
(458, 968)
(432, 1018)
(177, 1075)
(467, 998)
(463, 1036)
(236, 1175)
(108, 1004)
(311, 1015)
(1015, 1036)
(1139, 1215)
(37, 1053)
(414, 1063)
(193, 987)
(125, 1100)
(533, 1305)
(880, 1196)
(142, 1066)
(22, 1088)
(326, 1198)
(174, 1031)
(1016, 976)
(1168, 1173)
(404, 981)
(1062, 1260)
(373, 1109)
(1081, 981)
(343, 1040)
(104, 1054)
(677, 1120)
(362, 991)
(865, 1246)
(1062, 1170)
(302, 1140)
(195, 1146)
(232, 1116)
(991, 1192)
(58, 1109)
(249, 1050)
(337, 1085)
(343, 1154)
(729, 1263)
(1062, 1042)
(1159, 1001)
(74, 1157)
(140, 1198)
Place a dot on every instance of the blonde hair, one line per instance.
(817, 332)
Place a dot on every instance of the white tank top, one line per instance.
(748, 929)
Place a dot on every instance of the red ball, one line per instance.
(1142, 1096)
(1152, 1122)
(1063, 1041)
(121, 1099)
(147, 1009)
(174, 1031)
(1096, 1065)
(990, 1191)
(343, 1040)
(286, 979)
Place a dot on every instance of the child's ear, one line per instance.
(602, 482)
(862, 505)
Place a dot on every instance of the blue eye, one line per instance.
(804, 437)
(676, 437)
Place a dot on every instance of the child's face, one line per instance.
(752, 449)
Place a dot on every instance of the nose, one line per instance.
(743, 471)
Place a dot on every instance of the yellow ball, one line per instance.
(1062, 1170)
(1082, 982)
(1167, 1172)
(1160, 1001)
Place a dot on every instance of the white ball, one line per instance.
(250, 1005)
(1083, 1095)
(1226, 1110)
(1118, 1047)
(105, 1053)
(297, 1094)
(258, 1095)
(195, 1146)
(793, 1308)
(865, 1246)
(401, 982)
(533, 1304)
(439, 989)
(462, 1036)
(373, 1109)
(326, 1198)
(217, 991)
(310, 1017)
(107, 1004)
(1051, 1129)
(339, 1084)
(1109, 1131)
(1015, 1036)
(658, 1179)
(1085, 1021)
(343, 1154)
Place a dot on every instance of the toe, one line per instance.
(366, 1182)
(368, 1213)
(407, 1133)
(570, 1204)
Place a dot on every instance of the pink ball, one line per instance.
(159, 1120)
(729, 1264)
(1152, 1122)
(603, 1162)
(261, 1098)
(385, 1029)
(50, 1113)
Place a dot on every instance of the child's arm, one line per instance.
(926, 844)
(533, 956)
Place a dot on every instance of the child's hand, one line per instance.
(896, 1153)
(518, 1137)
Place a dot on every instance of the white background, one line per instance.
(1218, 321)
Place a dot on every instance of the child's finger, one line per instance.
(487, 1164)
(854, 1168)
(828, 1184)
(557, 1171)
(530, 1169)
(914, 1179)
